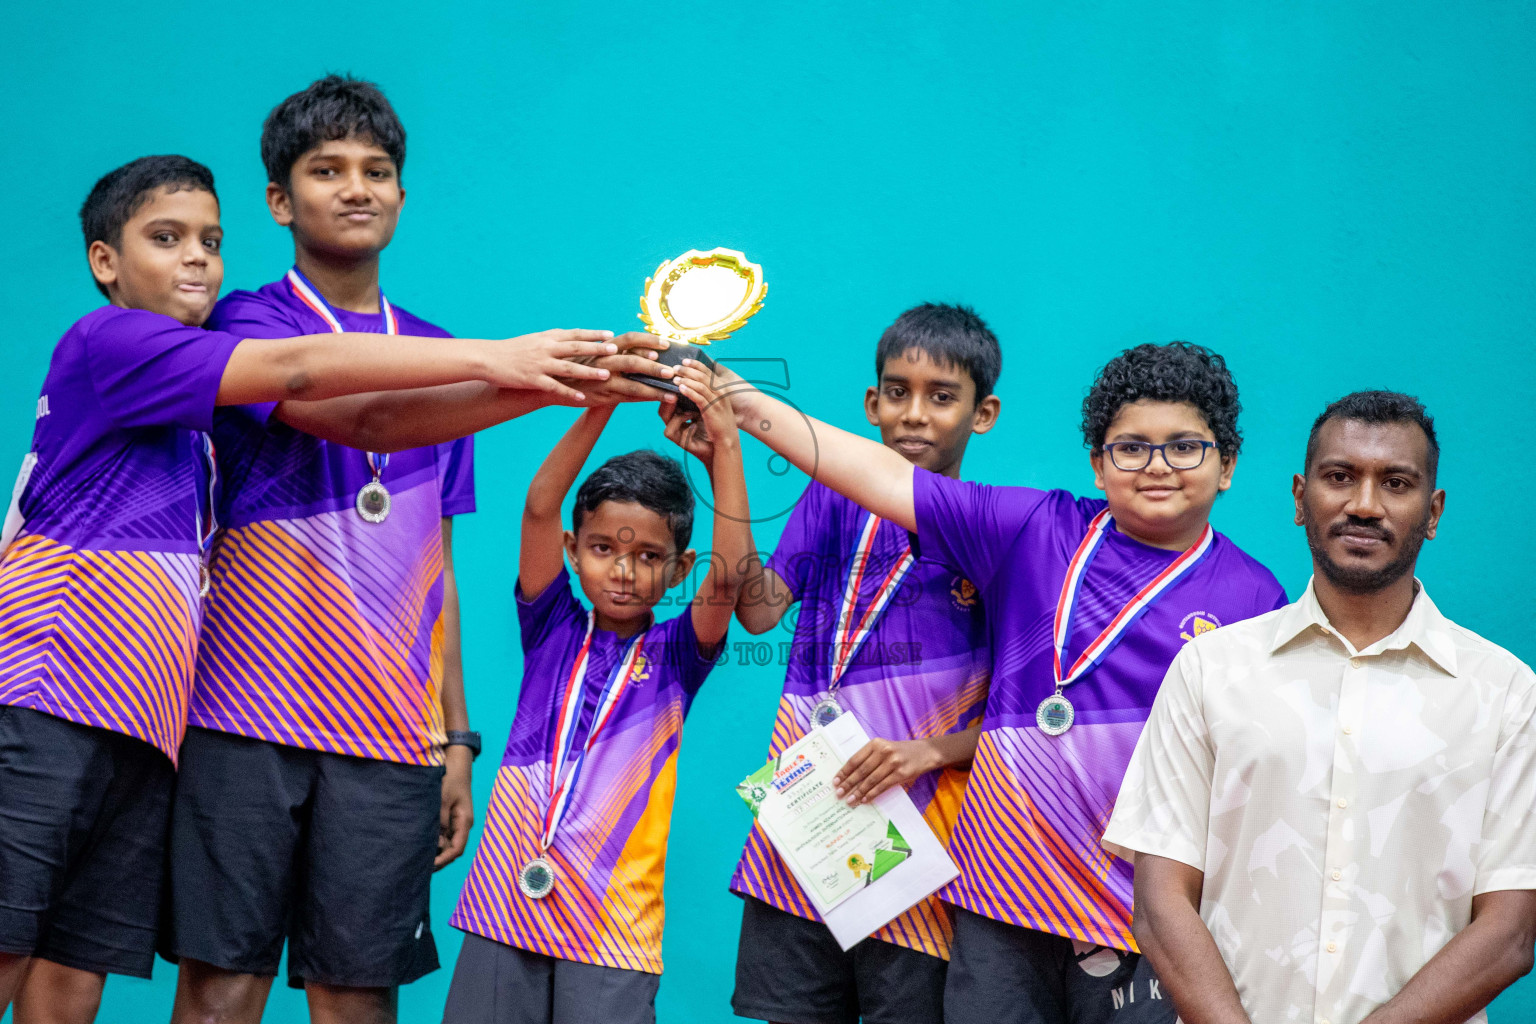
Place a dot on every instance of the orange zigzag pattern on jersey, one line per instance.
(103, 638)
(576, 921)
(1059, 895)
(342, 685)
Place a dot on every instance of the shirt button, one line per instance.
(1349, 730)
(1338, 875)
(1354, 662)
(1343, 803)
(1333, 947)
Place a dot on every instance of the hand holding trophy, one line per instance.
(695, 299)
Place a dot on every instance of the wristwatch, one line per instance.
(465, 738)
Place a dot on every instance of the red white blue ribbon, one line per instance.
(849, 638)
(312, 298)
(205, 533)
(564, 769)
(1113, 633)
(324, 310)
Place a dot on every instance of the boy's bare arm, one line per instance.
(716, 601)
(390, 421)
(456, 815)
(762, 597)
(543, 535)
(320, 366)
(864, 471)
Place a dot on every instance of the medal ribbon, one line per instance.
(562, 780)
(205, 535)
(316, 302)
(849, 638)
(1112, 634)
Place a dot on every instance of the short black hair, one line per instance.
(1176, 372)
(335, 107)
(119, 194)
(647, 478)
(1378, 407)
(950, 336)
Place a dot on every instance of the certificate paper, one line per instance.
(861, 866)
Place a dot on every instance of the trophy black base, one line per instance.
(673, 356)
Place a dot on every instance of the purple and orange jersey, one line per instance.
(610, 851)
(99, 588)
(323, 630)
(922, 671)
(1028, 839)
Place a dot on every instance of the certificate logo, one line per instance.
(1195, 623)
(789, 774)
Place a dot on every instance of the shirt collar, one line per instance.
(1424, 628)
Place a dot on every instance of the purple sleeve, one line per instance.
(686, 660)
(149, 370)
(971, 528)
(544, 616)
(798, 556)
(456, 476)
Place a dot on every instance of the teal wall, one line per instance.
(1335, 196)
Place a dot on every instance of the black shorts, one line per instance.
(1004, 974)
(83, 816)
(332, 852)
(793, 971)
(494, 983)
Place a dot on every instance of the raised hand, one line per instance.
(685, 430)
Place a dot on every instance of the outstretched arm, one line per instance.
(1485, 958)
(864, 471)
(712, 436)
(762, 597)
(320, 366)
(543, 547)
(390, 421)
(1177, 944)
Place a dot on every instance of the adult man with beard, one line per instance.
(1330, 808)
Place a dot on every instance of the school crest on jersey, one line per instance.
(642, 671)
(963, 592)
(1195, 623)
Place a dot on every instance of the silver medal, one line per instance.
(826, 712)
(537, 879)
(373, 502)
(1054, 715)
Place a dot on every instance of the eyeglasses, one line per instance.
(1134, 456)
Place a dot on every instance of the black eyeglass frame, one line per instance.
(1113, 448)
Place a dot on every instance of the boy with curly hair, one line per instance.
(1088, 602)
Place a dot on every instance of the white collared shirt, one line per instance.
(1345, 806)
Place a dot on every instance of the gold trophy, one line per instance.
(695, 299)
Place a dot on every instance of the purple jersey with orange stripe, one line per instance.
(610, 850)
(99, 589)
(324, 630)
(1027, 841)
(922, 671)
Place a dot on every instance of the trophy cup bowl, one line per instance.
(695, 299)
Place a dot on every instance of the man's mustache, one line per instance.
(1356, 527)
